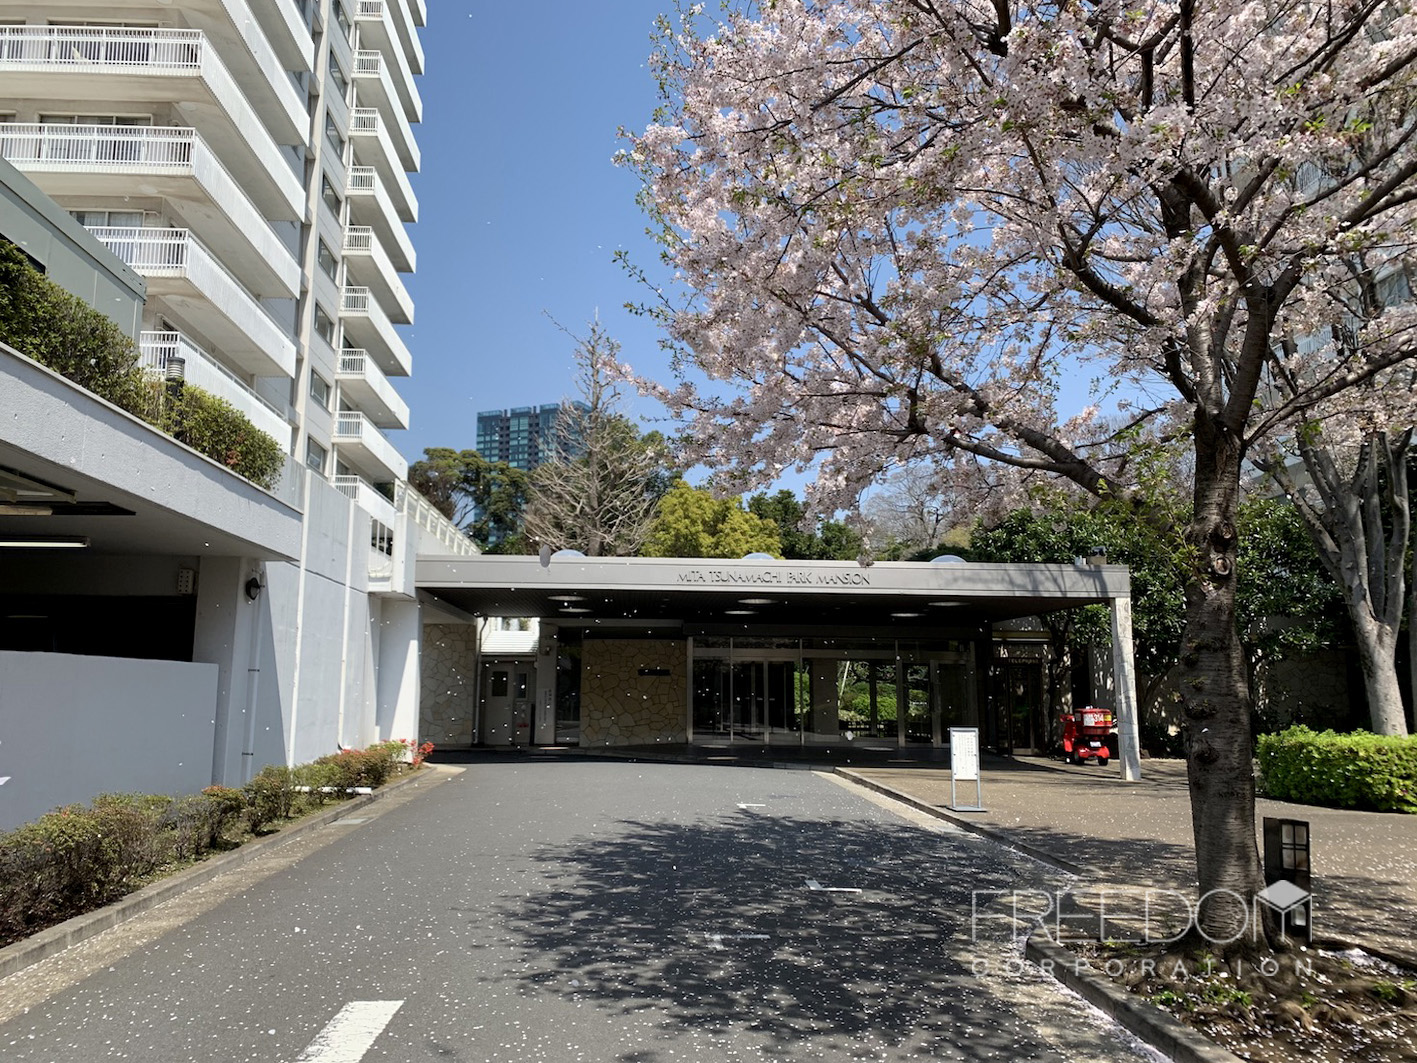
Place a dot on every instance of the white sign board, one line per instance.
(964, 765)
(964, 753)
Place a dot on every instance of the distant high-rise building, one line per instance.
(523, 437)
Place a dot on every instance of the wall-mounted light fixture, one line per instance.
(253, 588)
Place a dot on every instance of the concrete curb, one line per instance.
(998, 836)
(56, 939)
(1154, 1025)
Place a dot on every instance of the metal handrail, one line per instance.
(94, 144)
(86, 46)
(158, 347)
(359, 238)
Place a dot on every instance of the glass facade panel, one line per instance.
(820, 691)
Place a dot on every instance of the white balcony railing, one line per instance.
(355, 301)
(363, 185)
(366, 323)
(152, 252)
(394, 17)
(421, 512)
(366, 261)
(162, 53)
(202, 370)
(83, 148)
(170, 152)
(368, 497)
(358, 238)
(253, 338)
(366, 386)
(367, 125)
(356, 430)
(87, 46)
(393, 80)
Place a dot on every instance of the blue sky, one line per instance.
(520, 205)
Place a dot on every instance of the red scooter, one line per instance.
(1085, 736)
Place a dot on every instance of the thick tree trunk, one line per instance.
(1377, 651)
(1216, 705)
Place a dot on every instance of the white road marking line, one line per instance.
(813, 884)
(750, 805)
(350, 1034)
(4, 779)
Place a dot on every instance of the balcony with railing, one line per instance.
(370, 328)
(80, 64)
(361, 444)
(174, 162)
(186, 277)
(370, 204)
(387, 27)
(449, 537)
(200, 369)
(372, 147)
(384, 81)
(367, 264)
(368, 497)
(365, 385)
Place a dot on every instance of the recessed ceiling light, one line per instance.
(567, 598)
(755, 601)
(905, 616)
(740, 612)
(944, 605)
(573, 609)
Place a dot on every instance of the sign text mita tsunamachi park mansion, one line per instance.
(782, 577)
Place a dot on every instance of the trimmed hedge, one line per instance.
(59, 330)
(212, 426)
(1360, 770)
(78, 858)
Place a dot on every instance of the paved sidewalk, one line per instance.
(1365, 863)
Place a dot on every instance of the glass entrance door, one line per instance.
(755, 700)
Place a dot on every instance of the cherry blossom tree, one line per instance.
(898, 226)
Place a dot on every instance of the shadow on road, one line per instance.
(716, 925)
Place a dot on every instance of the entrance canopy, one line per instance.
(693, 603)
(701, 592)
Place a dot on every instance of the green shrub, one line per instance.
(1359, 770)
(364, 767)
(75, 859)
(269, 796)
(214, 427)
(70, 861)
(59, 330)
(194, 825)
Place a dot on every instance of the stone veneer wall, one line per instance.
(621, 707)
(447, 709)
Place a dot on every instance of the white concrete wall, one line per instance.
(316, 661)
(330, 701)
(72, 727)
(400, 629)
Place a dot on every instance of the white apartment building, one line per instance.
(248, 161)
